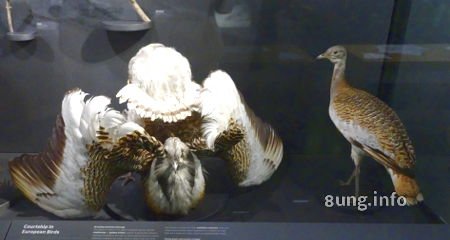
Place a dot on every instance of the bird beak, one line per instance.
(175, 166)
(321, 56)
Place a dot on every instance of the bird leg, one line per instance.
(357, 171)
(349, 180)
(126, 178)
(356, 155)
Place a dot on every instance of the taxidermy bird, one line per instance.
(372, 128)
(90, 147)
(252, 148)
(175, 183)
(163, 99)
(212, 118)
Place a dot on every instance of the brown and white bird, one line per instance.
(169, 104)
(175, 183)
(89, 149)
(372, 128)
(163, 99)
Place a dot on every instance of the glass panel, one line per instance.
(396, 51)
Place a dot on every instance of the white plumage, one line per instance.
(221, 103)
(92, 143)
(352, 131)
(68, 199)
(175, 183)
(160, 85)
(62, 192)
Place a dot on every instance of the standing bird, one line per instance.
(372, 128)
(90, 147)
(175, 183)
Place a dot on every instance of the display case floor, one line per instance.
(296, 193)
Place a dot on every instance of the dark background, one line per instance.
(268, 48)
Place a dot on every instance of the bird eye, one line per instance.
(335, 52)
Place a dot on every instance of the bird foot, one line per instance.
(126, 179)
(349, 180)
(344, 183)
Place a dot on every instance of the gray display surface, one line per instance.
(21, 36)
(49, 230)
(4, 226)
(126, 26)
(287, 198)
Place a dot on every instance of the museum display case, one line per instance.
(293, 128)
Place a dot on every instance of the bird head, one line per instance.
(335, 54)
(177, 153)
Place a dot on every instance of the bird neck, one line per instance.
(338, 81)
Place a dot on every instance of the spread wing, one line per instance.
(252, 159)
(85, 132)
(35, 175)
(52, 179)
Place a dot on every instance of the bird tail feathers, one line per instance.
(407, 187)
